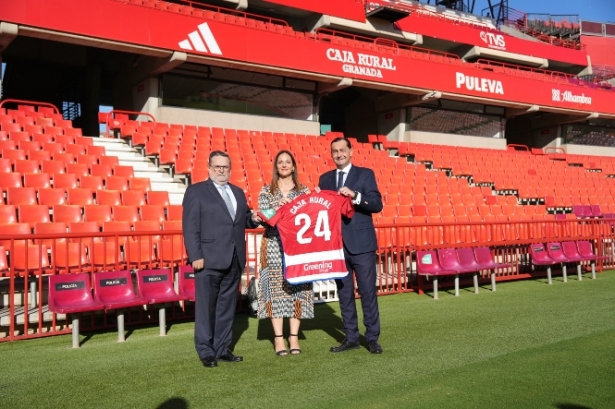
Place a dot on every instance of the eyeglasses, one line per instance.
(218, 168)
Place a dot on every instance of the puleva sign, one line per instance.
(479, 84)
(361, 64)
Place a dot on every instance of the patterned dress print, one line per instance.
(277, 298)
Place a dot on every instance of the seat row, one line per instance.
(149, 244)
(114, 290)
(73, 181)
(443, 262)
(17, 196)
(32, 161)
(31, 214)
(564, 253)
(45, 126)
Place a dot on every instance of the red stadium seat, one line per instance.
(67, 214)
(133, 198)
(42, 138)
(117, 227)
(21, 196)
(26, 258)
(38, 180)
(80, 196)
(39, 156)
(65, 181)
(68, 257)
(67, 140)
(51, 196)
(79, 169)
(28, 145)
(14, 229)
(91, 182)
(97, 213)
(10, 180)
(87, 159)
(32, 214)
(108, 197)
(157, 198)
(27, 166)
(67, 158)
(103, 171)
(174, 212)
(143, 184)
(108, 160)
(84, 140)
(5, 166)
(152, 213)
(55, 228)
(53, 148)
(116, 183)
(128, 214)
(13, 155)
(7, 145)
(96, 150)
(126, 171)
(7, 214)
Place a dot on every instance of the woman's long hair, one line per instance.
(274, 179)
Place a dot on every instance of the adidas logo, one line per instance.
(201, 42)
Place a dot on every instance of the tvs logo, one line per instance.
(495, 41)
(201, 40)
(567, 96)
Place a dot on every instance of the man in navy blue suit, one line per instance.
(360, 245)
(214, 221)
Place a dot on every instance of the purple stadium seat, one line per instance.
(70, 294)
(579, 211)
(485, 259)
(187, 283)
(554, 249)
(585, 250)
(114, 289)
(596, 212)
(449, 261)
(572, 253)
(156, 286)
(466, 258)
(427, 264)
(540, 257)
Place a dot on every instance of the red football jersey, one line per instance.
(310, 229)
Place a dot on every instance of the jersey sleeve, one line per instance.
(347, 208)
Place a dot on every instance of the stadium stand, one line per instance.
(108, 205)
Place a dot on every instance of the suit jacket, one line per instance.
(358, 232)
(209, 231)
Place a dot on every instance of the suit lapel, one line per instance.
(332, 182)
(213, 190)
(352, 176)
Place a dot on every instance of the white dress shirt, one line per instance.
(230, 194)
(357, 199)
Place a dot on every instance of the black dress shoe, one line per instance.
(374, 347)
(209, 362)
(229, 357)
(345, 346)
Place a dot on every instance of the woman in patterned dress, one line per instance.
(277, 299)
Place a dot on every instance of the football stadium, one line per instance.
(489, 127)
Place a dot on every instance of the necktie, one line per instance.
(340, 180)
(227, 201)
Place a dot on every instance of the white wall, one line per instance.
(235, 121)
(588, 150)
(454, 140)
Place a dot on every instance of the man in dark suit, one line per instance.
(360, 245)
(215, 217)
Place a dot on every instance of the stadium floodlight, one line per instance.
(432, 95)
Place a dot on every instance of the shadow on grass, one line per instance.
(325, 319)
(571, 406)
(174, 403)
(240, 325)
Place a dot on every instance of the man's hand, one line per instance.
(255, 217)
(344, 191)
(198, 264)
(316, 189)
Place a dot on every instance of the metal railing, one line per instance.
(24, 313)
